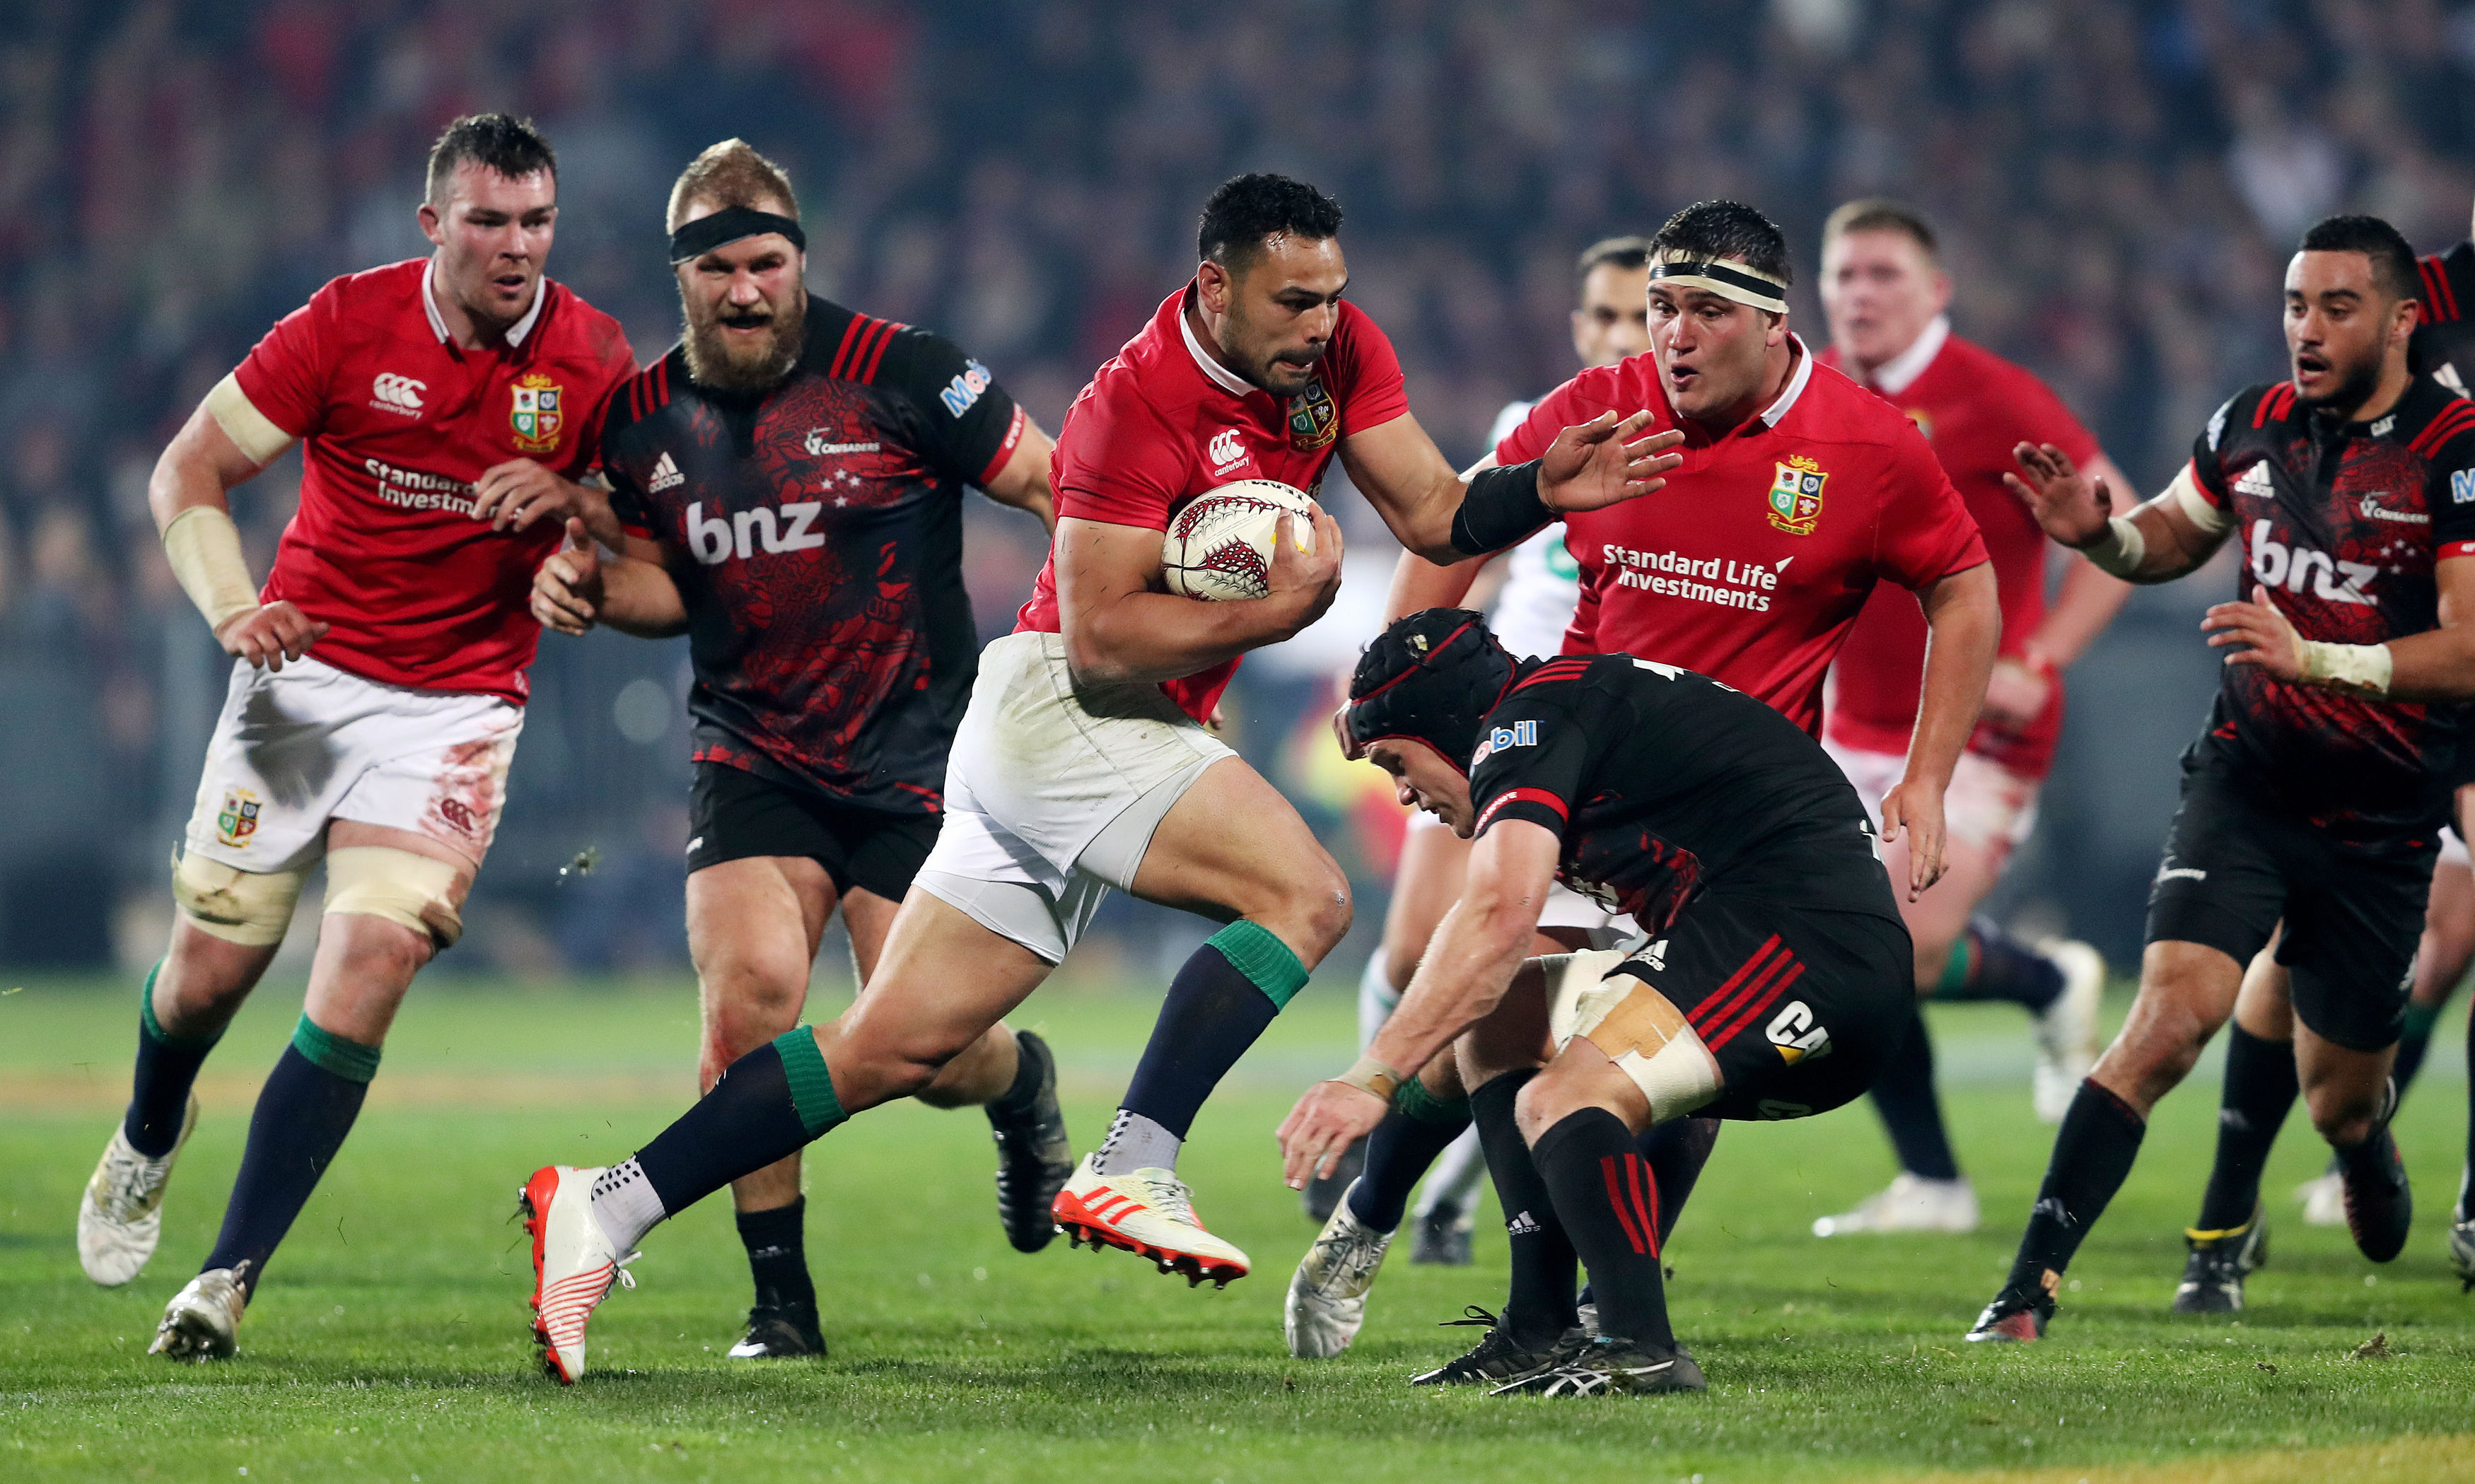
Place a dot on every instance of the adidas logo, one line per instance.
(1521, 1224)
(666, 475)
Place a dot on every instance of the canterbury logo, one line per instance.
(666, 475)
(1227, 449)
(397, 394)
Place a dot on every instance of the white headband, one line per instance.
(1727, 279)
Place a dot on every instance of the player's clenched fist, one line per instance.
(567, 589)
(514, 494)
(1308, 580)
(269, 636)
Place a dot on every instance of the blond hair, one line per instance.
(731, 174)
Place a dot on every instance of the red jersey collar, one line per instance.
(1218, 374)
(516, 332)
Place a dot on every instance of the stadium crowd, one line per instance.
(2118, 186)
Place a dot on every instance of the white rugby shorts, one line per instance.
(310, 744)
(2453, 848)
(1987, 806)
(1052, 792)
(1564, 908)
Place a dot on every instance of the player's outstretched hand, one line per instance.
(1330, 1117)
(1306, 581)
(567, 589)
(2071, 507)
(2264, 636)
(269, 636)
(1913, 812)
(2016, 693)
(514, 494)
(1602, 462)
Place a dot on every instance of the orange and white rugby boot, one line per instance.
(574, 1263)
(1150, 1213)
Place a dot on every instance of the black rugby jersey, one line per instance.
(815, 532)
(2344, 523)
(2444, 346)
(1664, 784)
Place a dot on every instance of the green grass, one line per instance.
(389, 1340)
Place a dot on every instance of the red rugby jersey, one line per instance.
(397, 421)
(1750, 566)
(1163, 421)
(1975, 407)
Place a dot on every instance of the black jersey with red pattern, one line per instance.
(2343, 522)
(815, 532)
(1664, 784)
(2443, 347)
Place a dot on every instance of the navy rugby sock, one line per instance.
(778, 1254)
(2093, 1154)
(1541, 1304)
(304, 1111)
(1221, 1000)
(1676, 1150)
(1609, 1202)
(2260, 1091)
(168, 1068)
(2415, 1040)
(1904, 1095)
(1988, 963)
(771, 1102)
(1411, 1137)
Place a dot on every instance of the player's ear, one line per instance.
(1214, 286)
(429, 223)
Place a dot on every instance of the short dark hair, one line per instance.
(1626, 252)
(498, 142)
(1247, 208)
(1880, 213)
(1726, 229)
(2392, 260)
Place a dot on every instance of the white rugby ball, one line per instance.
(1220, 547)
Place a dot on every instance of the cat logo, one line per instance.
(237, 820)
(536, 417)
(1796, 495)
(1797, 1036)
(1313, 420)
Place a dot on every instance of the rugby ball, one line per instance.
(1219, 547)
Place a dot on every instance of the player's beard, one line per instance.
(2355, 389)
(1256, 370)
(717, 365)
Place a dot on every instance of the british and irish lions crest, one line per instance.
(237, 820)
(1796, 495)
(1314, 420)
(536, 417)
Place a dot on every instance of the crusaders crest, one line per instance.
(1313, 420)
(237, 820)
(1796, 495)
(536, 416)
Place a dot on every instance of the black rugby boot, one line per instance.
(1500, 1355)
(780, 1331)
(2380, 1204)
(2212, 1276)
(1034, 1157)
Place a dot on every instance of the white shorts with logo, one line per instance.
(1988, 806)
(1565, 907)
(1052, 792)
(310, 744)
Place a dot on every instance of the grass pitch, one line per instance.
(390, 1342)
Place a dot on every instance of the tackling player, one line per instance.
(1771, 991)
(447, 405)
(1083, 763)
(1799, 491)
(1884, 291)
(2317, 791)
(787, 491)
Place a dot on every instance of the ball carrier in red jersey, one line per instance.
(1884, 291)
(2317, 792)
(1799, 491)
(787, 490)
(1083, 763)
(447, 407)
(1772, 991)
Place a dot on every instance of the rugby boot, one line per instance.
(1444, 1238)
(780, 1331)
(201, 1319)
(1323, 1192)
(1033, 1160)
(574, 1263)
(1500, 1355)
(1610, 1365)
(2462, 1254)
(2213, 1275)
(2066, 1031)
(120, 1216)
(2015, 1317)
(1327, 1299)
(1910, 1203)
(1148, 1212)
(2380, 1204)
(2325, 1198)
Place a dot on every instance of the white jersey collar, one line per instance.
(516, 332)
(1221, 375)
(1901, 371)
(1796, 383)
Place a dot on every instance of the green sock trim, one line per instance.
(812, 1086)
(329, 1052)
(154, 1028)
(2420, 1021)
(1414, 1101)
(1266, 960)
(1954, 969)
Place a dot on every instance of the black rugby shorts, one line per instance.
(733, 815)
(2235, 867)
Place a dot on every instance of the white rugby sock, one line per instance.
(1376, 998)
(1135, 1142)
(625, 1205)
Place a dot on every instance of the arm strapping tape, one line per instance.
(2120, 551)
(1368, 1075)
(2186, 495)
(1502, 508)
(204, 547)
(251, 430)
(2358, 670)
